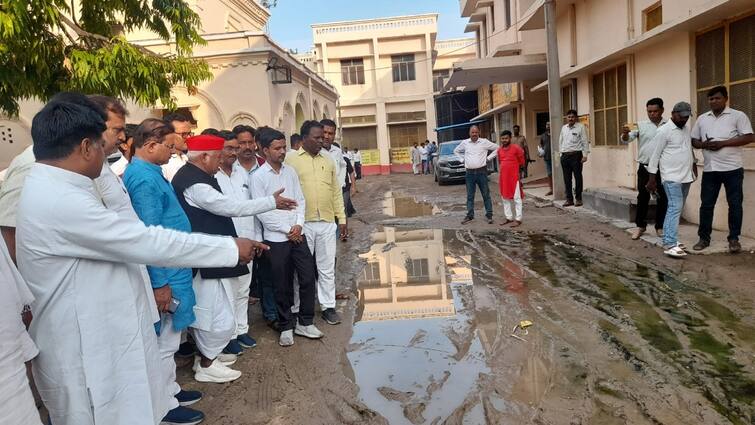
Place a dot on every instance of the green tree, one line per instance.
(47, 46)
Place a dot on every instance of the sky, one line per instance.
(290, 20)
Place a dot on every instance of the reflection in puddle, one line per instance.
(406, 207)
(436, 309)
(417, 357)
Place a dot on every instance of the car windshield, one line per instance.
(448, 148)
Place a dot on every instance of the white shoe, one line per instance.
(309, 331)
(227, 359)
(675, 251)
(287, 338)
(217, 372)
(197, 359)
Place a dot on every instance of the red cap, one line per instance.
(205, 142)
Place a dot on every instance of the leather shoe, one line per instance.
(734, 246)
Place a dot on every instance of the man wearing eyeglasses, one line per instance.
(234, 182)
(156, 204)
(182, 130)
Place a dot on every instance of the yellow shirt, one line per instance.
(319, 182)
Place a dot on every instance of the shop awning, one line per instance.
(500, 108)
(465, 124)
(475, 73)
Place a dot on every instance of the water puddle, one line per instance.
(406, 207)
(612, 341)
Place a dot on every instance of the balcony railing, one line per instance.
(375, 26)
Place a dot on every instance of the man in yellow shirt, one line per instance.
(324, 203)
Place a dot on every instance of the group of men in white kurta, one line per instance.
(114, 276)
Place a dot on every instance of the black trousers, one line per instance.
(643, 200)
(358, 170)
(571, 164)
(711, 185)
(279, 264)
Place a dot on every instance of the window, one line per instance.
(352, 72)
(652, 17)
(439, 79)
(609, 98)
(406, 116)
(359, 137)
(403, 68)
(507, 12)
(728, 47)
(566, 100)
(405, 135)
(371, 273)
(417, 270)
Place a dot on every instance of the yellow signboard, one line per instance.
(370, 157)
(401, 155)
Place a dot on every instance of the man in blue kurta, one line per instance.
(156, 204)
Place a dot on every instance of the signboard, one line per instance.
(370, 157)
(401, 155)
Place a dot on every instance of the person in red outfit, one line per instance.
(510, 160)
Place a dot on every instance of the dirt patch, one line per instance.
(621, 334)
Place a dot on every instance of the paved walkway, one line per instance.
(687, 231)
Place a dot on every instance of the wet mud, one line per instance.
(436, 340)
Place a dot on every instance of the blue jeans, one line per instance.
(676, 193)
(478, 178)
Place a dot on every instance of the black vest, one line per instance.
(204, 221)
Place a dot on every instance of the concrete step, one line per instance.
(616, 203)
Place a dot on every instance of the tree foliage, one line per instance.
(47, 46)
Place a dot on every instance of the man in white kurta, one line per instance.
(16, 400)
(98, 361)
(210, 211)
(234, 182)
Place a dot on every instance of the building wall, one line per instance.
(374, 41)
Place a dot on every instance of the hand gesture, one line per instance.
(294, 235)
(248, 249)
(282, 203)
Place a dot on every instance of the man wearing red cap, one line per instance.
(210, 211)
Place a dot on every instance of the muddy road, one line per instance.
(562, 321)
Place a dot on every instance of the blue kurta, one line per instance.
(156, 204)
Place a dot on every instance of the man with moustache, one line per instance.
(183, 130)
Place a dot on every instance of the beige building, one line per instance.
(614, 56)
(508, 63)
(383, 70)
(255, 81)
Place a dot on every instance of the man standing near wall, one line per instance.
(358, 163)
(520, 140)
(475, 151)
(721, 133)
(645, 134)
(574, 148)
(545, 144)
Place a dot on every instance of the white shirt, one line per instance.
(729, 124)
(644, 135)
(277, 224)
(574, 139)
(98, 360)
(475, 154)
(358, 157)
(12, 185)
(119, 167)
(16, 347)
(423, 153)
(673, 154)
(337, 155)
(174, 164)
(237, 186)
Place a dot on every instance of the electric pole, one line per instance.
(554, 97)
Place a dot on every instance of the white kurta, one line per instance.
(98, 360)
(16, 401)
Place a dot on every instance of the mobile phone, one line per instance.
(173, 306)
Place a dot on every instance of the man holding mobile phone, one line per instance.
(721, 133)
